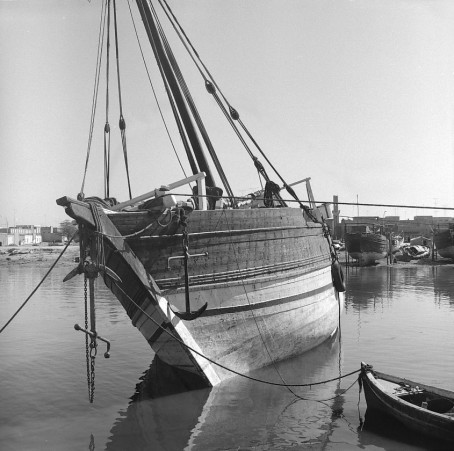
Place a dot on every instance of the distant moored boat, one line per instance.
(366, 246)
(444, 242)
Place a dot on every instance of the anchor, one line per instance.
(95, 336)
(79, 269)
(91, 271)
(187, 315)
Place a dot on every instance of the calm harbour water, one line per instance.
(398, 319)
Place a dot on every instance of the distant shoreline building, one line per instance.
(26, 234)
(52, 235)
(22, 235)
(419, 226)
(6, 238)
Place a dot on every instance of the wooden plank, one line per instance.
(80, 211)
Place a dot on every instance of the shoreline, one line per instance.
(399, 264)
(37, 255)
(45, 255)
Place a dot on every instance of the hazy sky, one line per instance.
(358, 95)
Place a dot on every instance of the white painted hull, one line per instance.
(249, 324)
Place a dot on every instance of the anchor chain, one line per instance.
(91, 349)
(93, 352)
(88, 348)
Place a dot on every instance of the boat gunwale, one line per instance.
(396, 379)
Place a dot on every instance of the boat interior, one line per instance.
(424, 398)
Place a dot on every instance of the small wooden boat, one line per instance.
(409, 252)
(419, 407)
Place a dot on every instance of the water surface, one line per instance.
(398, 319)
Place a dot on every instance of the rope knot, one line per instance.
(271, 189)
(183, 218)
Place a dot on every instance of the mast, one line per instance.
(175, 94)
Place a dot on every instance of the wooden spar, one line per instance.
(77, 210)
(310, 196)
(199, 178)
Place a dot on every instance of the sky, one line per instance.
(356, 94)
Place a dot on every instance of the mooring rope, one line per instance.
(39, 284)
(132, 235)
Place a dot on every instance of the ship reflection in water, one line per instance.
(237, 413)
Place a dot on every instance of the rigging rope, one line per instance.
(190, 102)
(154, 92)
(39, 284)
(234, 115)
(230, 119)
(211, 87)
(122, 123)
(102, 25)
(171, 99)
(107, 126)
(421, 207)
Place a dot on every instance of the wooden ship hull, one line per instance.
(365, 247)
(218, 285)
(424, 409)
(444, 243)
(265, 275)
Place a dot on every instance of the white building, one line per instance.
(26, 234)
(6, 238)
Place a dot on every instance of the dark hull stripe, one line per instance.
(158, 333)
(266, 304)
